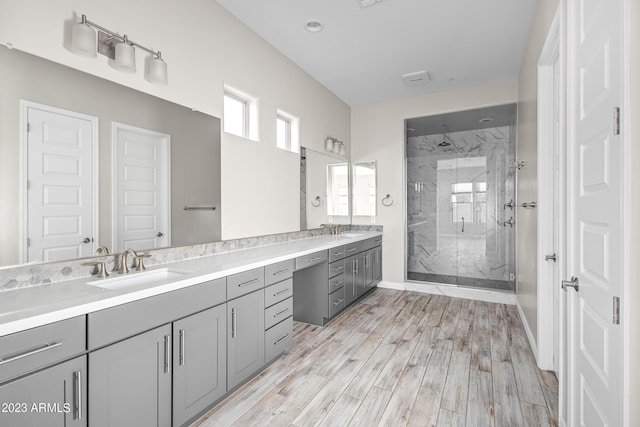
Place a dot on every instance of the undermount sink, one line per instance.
(351, 234)
(135, 279)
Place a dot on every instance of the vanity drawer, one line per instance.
(336, 283)
(336, 253)
(277, 313)
(336, 302)
(374, 241)
(245, 282)
(278, 292)
(32, 349)
(116, 323)
(279, 271)
(279, 338)
(311, 259)
(354, 248)
(336, 268)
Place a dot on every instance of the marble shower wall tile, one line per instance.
(46, 273)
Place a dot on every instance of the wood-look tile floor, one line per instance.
(401, 358)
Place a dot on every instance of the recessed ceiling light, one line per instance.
(313, 26)
(486, 120)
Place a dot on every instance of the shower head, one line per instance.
(444, 142)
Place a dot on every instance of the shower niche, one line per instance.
(460, 179)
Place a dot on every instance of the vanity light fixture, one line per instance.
(333, 145)
(120, 49)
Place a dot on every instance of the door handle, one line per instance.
(573, 283)
(463, 224)
(167, 354)
(87, 240)
(77, 386)
(181, 355)
(159, 234)
(551, 257)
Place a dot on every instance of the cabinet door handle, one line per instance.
(77, 389)
(340, 301)
(279, 340)
(247, 283)
(276, 273)
(280, 312)
(182, 338)
(356, 270)
(233, 323)
(167, 354)
(281, 292)
(44, 347)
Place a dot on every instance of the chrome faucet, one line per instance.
(102, 250)
(121, 261)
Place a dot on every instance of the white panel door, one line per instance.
(61, 209)
(595, 214)
(141, 188)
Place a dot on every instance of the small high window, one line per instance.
(287, 132)
(240, 114)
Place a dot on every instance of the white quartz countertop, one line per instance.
(26, 308)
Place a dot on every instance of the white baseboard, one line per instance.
(527, 330)
(452, 291)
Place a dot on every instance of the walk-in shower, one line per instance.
(460, 198)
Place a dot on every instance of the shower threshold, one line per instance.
(467, 282)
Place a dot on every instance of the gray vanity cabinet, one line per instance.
(245, 337)
(199, 362)
(130, 381)
(376, 261)
(62, 389)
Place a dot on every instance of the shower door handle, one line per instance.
(463, 224)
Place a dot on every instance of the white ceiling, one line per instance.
(362, 53)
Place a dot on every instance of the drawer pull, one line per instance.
(45, 347)
(340, 301)
(314, 259)
(338, 283)
(338, 254)
(339, 268)
(276, 273)
(247, 283)
(281, 292)
(351, 250)
(280, 312)
(279, 340)
(77, 389)
(378, 241)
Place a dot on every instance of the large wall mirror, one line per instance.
(325, 190)
(99, 164)
(364, 189)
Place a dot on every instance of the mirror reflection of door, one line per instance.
(61, 194)
(364, 189)
(337, 190)
(141, 188)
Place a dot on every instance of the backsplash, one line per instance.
(44, 273)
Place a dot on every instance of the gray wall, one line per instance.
(195, 145)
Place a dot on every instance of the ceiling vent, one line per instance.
(416, 79)
(365, 3)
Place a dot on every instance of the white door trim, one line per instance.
(115, 126)
(24, 170)
(552, 51)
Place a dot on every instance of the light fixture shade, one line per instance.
(83, 40)
(156, 71)
(125, 58)
(328, 144)
(342, 151)
(336, 147)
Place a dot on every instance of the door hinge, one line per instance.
(616, 120)
(616, 310)
(28, 127)
(28, 242)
